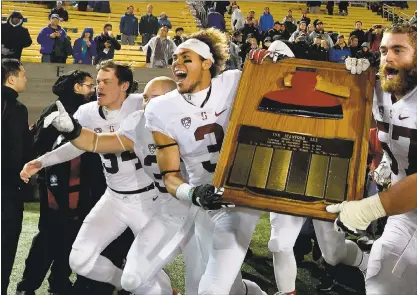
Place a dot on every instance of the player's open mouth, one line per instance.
(391, 72)
(180, 75)
(100, 94)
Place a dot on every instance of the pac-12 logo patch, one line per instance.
(186, 122)
(151, 148)
(53, 180)
(98, 130)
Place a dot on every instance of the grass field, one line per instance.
(258, 268)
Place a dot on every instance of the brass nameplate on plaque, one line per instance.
(291, 165)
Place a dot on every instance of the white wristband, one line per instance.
(183, 192)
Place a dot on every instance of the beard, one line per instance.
(403, 82)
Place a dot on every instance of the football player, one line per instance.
(129, 198)
(189, 124)
(392, 266)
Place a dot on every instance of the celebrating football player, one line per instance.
(392, 265)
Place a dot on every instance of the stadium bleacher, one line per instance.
(180, 16)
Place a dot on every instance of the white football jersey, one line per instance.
(199, 131)
(133, 127)
(397, 130)
(123, 171)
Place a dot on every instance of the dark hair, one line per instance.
(358, 21)
(9, 67)
(179, 29)
(65, 83)
(108, 25)
(79, 76)
(289, 10)
(129, 6)
(123, 72)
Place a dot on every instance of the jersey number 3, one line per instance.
(213, 148)
(114, 166)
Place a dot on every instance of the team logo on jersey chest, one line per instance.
(186, 122)
(98, 130)
(152, 148)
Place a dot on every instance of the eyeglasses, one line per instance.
(90, 85)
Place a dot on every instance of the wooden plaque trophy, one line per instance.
(297, 138)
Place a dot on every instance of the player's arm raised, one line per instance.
(86, 139)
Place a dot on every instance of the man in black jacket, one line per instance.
(62, 188)
(60, 10)
(16, 143)
(148, 25)
(106, 44)
(358, 32)
(14, 37)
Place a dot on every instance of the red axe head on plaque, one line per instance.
(308, 96)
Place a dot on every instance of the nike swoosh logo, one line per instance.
(218, 114)
(402, 118)
(153, 199)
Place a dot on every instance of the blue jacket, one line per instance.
(46, 42)
(164, 22)
(81, 51)
(216, 20)
(129, 24)
(336, 53)
(266, 22)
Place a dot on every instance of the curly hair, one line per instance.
(404, 28)
(216, 41)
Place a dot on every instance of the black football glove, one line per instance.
(209, 197)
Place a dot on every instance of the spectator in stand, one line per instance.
(215, 20)
(302, 28)
(300, 46)
(16, 144)
(248, 45)
(319, 30)
(353, 45)
(60, 10)
(366, 53)
(310, 29)
(82, 5)
(129, 26)
(237, 19)
(14, 37)
(85, 49)
(289, 18)
(413, 20)
(374, 36)
(266, 22)
(317, 51)
(235, 61)
(340, 51)
(343, 7)
(238, 38)
(164, 21)
(285, 32)
(290, 23)
(252, 15)
(314, 6)
(276, 30)
(221, 6)
(358, 32)
(323, 44)
(178, 39)
(159, 50)
(101, 6)
(249, 28)
(148, 25)
(305, 18)
(54, 42)
(330, 7)
(106, 44)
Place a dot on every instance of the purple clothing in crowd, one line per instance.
(81, 51)
(46, 42)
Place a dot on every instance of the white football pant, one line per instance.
(392, 266)
(284, 232)
(109, 218)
